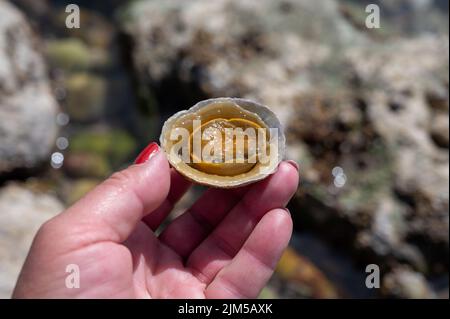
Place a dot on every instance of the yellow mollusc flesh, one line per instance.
(223, 166)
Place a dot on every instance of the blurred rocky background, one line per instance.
(366, 113)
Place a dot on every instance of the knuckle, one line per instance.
(48, 229)
(48, 226)
(119, 178)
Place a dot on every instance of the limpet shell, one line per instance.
(219, 113)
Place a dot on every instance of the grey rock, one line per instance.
(388, 223)
(254, 49)
(21, 214)
(386, 235)
(405, 283)
(403, 17)
(401, 76)
(27, 107)
(439, 130)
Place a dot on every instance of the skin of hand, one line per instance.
(225, 245)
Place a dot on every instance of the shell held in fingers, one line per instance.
(209, 154)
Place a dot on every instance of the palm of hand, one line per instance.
(143, 267)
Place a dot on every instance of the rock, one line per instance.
(438, 99)
(386, 237)
(395, 196)
(408, 82)
(405, 283)
(400, 17)
(114, 146)
(388, 226)
(86, 97)
(21, 214)
(79, 164)
(97, 31)
(27, 107)
(68, 54)
(304, 277)
(78, 189)
(440, 130)
(72, 54)
(268, 293)
(254, 49)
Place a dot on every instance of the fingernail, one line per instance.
(293, 163)
(147, 153)
(287, 210)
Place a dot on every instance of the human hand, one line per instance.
(225, 245)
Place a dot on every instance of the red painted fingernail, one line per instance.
(293, 163)
(147, 153)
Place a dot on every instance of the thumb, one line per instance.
(111, 211)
